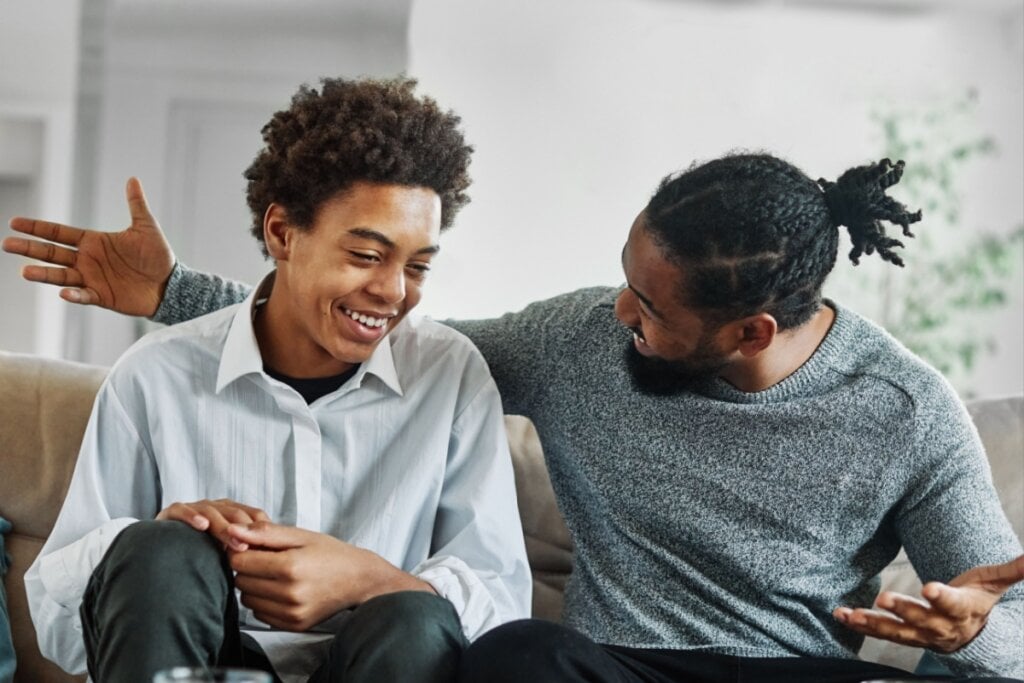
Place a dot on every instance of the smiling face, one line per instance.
(347, 280)
(672, 345)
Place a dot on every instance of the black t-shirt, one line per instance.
(315, 387)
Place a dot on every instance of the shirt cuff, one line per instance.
(65, 573)
(458, 584)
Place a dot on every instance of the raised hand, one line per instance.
(293, 579)
(124, 271)
(214, 517)
(948, 617)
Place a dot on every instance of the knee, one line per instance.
(526, 649)
(408, 636)
(411, 618)
(162, 551)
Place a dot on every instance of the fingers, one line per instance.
(47, 252)
(83, 295)
(957, 603)
(54, 232)
(935, 625)
(61, 277)
(880, 625)
(214, 517)
(276, 614)
(262, 564)
(255, 514)
(268, 589)
(138, 207)
(182, 512)
(267, 535)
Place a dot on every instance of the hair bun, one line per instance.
(858, 201)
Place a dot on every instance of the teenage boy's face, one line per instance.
(356, 273)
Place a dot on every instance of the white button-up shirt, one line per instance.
(409, 459)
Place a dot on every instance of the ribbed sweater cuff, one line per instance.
(990, 653)
(167, 312)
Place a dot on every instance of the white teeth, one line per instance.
(364, 319)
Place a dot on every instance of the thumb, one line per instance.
(268, 535)
(142, 217)
(994, 578)
(956, 602)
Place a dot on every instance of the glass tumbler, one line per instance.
(184, 674)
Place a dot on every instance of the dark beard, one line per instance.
(660, 377)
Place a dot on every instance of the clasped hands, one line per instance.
(290, 578)
(947, 617)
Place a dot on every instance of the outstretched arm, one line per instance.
(962, 546)
(131, 272)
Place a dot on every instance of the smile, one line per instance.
(368, 320)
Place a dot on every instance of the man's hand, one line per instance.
(949, 616)
(124, 271)
(293, 579)
(214, 517)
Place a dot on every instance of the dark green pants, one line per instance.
(163, 596)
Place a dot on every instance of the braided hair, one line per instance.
(753, 233)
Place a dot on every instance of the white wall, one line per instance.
(186, 88)
(578, 108)
(38, 77)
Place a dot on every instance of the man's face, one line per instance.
(672, 347)
(356, 273)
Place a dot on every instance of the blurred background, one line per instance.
(577, 108)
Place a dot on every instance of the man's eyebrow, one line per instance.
(368, 234)
(647, 302)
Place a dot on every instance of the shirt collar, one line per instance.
(241, 352)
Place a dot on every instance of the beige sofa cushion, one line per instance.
(44, 406)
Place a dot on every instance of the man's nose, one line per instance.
(625, 308)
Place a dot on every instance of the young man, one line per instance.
(340, 465)
(736, 457)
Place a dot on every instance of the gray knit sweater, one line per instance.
(734, 522)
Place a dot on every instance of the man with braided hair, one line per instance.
(713, 430)
(339, 464)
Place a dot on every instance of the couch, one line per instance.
(44, 406)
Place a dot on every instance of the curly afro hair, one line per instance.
(351, 131)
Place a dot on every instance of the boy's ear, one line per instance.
(277, 232)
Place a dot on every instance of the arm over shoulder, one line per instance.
(191, 293)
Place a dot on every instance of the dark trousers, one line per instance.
(163, 596)
(538, 651)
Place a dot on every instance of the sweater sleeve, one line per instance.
(953, 521)
(522, 349)
(190, 294)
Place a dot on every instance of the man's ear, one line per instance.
(755, 334)
(277, 232)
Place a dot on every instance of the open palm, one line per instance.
(124, 271)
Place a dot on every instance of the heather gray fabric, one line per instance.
(734, 522)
